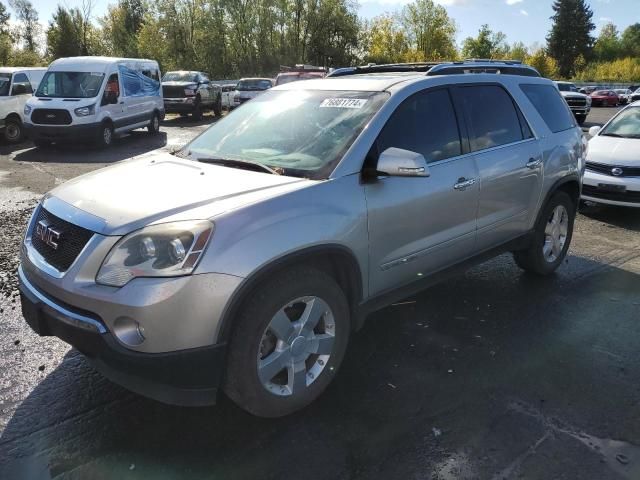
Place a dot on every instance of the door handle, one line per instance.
(533, 163)
(463, 183)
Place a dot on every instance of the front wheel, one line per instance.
(197, 111)
(105, 135)
(217, 107)
(13, 132)
(290, 338)
(551, 237)
(581, 119)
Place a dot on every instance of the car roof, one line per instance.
(20, 69)
(255, 78)
(183, 71)
(95, 63)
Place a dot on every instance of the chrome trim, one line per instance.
(73, 214)
(65, 315)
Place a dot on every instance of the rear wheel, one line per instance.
(13, 132)
(551, 238)
(289, 340)
(154, 125)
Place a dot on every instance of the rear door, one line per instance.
(419, 225)
(509, 162)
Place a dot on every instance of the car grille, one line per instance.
(576, 101)
(172, 91)
(50, 116)
(72, 241)
(606, 169)
(626, 196)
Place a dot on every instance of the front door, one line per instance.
(509, 161)
(418, 225)
(117, 111)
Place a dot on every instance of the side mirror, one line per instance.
(19, 89)
(396, 162)
(593, 131)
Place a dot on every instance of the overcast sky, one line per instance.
(524, 20)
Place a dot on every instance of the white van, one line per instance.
(93, 99)
(16, 86)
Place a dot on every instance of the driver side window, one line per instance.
(111, 90)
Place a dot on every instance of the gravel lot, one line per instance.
(492, 375)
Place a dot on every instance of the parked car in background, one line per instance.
(635, 96)
(588, 90)
(249, 88)
(246, 260)
(579, 103)
(623, 95)
(612, 173)
(93, 99)
(604, 98)
(227, 95)
(188, 92)
(17, 84)
(299, 72)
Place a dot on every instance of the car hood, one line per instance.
(573, 94)
(178, 84)
(614, 151)
(157, 188)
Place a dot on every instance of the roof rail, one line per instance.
(505, 67)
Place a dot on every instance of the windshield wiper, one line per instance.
(232, 162)
(617, 135)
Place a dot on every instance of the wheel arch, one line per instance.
(14, 116)
(334, 259)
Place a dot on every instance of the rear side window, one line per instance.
(424, 123)
(493, 117)
(550, 105)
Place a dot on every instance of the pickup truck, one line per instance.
(579, 103)
(187, 92)
(17, 84)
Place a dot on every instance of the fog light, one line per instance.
(128, 331)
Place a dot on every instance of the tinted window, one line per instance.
(424, 123)
(22, 79)
(550, 105)
(492, 115)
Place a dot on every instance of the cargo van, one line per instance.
(94, 99)
(17, 84)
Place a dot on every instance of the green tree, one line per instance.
(570, 34)
(30, 28)
(488, 44)
(545, 64)
(387, 40)
(71, 33)
(518, 51)
(608, 45)
(430, 30)
(5, 35)
(631, 40)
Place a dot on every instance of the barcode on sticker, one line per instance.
(343, 103)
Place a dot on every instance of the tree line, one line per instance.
(233, 38)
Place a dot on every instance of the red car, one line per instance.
(604, 98)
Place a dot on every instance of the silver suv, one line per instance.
(244, 262)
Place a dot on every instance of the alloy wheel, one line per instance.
(555, 234)
(296, 346)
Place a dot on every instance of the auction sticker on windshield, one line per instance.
(343, 103)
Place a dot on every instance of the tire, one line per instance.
(217, 107)
(545, 255)
(581, 119)
(197, 111)
(299, 290)
(105, 135)
(13, 131)
(42, 143)
(154, 126)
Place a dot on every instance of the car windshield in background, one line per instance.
(179, 77)
(5, 82)
(626, 124)
(70, 84)
(298, 132)
(565, 87)
(600, 93)
(246, 85)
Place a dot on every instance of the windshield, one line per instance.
(567, 87)
(626, 125)
(70, 85)
(303, 133)
(179, 77)
(5, 82)
(254, 84)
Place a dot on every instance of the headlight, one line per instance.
(165, 250)
(27, 109)
(190, 90)
(85, 111)
(588, 100)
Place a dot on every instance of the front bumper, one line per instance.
(592, 189)
(63, 133)
(187, 377)
(581, 110)
(179, 105)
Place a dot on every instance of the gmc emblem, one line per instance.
(48, 234)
